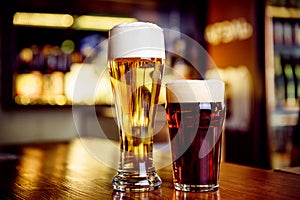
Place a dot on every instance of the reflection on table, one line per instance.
(79, 170)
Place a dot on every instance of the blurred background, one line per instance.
(255, 44)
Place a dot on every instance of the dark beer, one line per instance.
(195, 115)
(196, 133)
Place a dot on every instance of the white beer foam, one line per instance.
(136, 39)
(195, 91)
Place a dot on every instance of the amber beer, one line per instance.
(195, 123)
(136, 65)
(136, 83)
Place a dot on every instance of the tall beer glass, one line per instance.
(195, 115)
(136, 57)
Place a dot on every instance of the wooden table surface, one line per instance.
(69, 170)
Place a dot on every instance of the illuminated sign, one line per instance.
(83, 22)
(228, 31)
(100, 22)
(43, 19)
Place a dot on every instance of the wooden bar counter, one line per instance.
(72, 170)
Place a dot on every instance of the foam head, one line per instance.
(136, 39)
(195, 91)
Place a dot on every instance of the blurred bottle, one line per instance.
(279, 81)
(297, 56)
(278, 33)
(289, 79)
(297, 34)
(296, 68)
(29, 78)
(56, 65)
(287, 33)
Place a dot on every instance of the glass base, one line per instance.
(196, 188)
(128, 182)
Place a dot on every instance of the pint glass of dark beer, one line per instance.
(136, 57)
(195, 115)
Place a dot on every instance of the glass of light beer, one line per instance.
(195, 114)
(136, 55)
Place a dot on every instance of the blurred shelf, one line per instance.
(287, 117)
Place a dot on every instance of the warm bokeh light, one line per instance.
(83, 22)
(43, 19)
(228, 31)
(26, 55)
(29, 85)
(37, 88)
(85, 85)
(100, 22)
